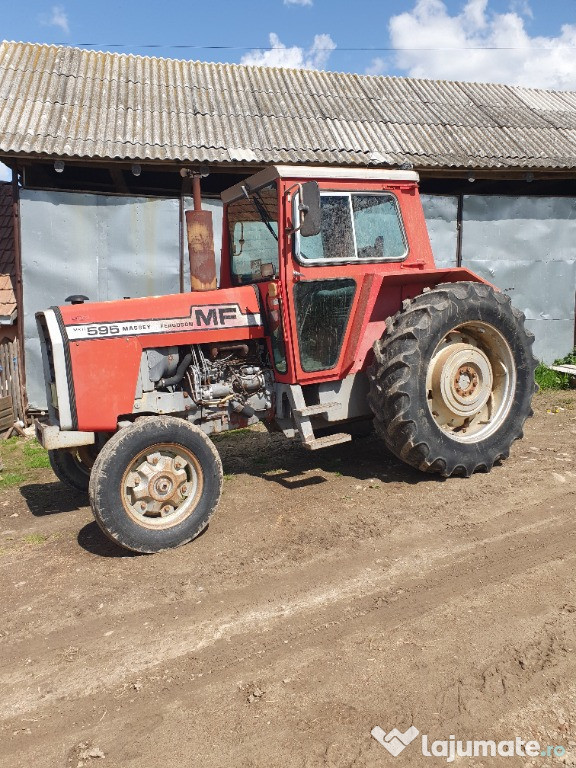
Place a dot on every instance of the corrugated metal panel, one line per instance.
(76, 103)
(525, 246)
(103, 247)
(441, 212)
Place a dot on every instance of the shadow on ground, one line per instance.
(52, 498)
(286, 462)
(91, 538)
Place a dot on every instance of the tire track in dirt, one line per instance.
(427, 578)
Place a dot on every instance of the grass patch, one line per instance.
(10, 479)
(35, 456)
(546, 378)
(35, 539)
(231, 434)
(21, 459)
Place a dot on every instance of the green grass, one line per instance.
(35, 539)
(546, 378)
(21, 458)
(35, 456)
(231, 434)
(10, 479)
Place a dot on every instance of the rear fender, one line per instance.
(380, 297)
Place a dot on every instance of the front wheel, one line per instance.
(453, 379)
(155, 484)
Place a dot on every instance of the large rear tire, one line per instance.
(155, 484)
(453, 379)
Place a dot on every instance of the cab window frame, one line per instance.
(356, 259)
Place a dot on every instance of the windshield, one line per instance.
(253, 231)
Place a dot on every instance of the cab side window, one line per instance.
(377, 227)
(354, 227)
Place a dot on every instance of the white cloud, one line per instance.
(56, 18)
(5, 173)
(297, 2)
(522, 7)
(377, 66)
(316, 57)
(538, 62)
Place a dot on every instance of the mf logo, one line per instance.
(394, 741)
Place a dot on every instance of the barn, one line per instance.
(97, 142)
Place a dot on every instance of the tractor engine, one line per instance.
(218, 386)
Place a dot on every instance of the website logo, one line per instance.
(394, 741)
(452, 748)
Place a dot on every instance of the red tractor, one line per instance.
(330, 312)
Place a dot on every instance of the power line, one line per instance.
(319, 48)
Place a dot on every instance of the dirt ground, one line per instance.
(333, 592)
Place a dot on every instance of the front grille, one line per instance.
(47, 342)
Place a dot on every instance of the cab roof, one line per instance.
(310, 172)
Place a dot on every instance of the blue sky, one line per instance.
(525, 42)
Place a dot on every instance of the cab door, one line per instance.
(319, 299)
(359, 232)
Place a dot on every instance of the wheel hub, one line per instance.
(161, 487)
(466, 381)
(462, 378)
(469, 381)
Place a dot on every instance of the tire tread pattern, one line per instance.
(399, 358)
(106, 503)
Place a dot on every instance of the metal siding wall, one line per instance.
(441, 219)
(110, 247)
(527, 247)
(103, 247)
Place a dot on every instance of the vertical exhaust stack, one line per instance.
(200, 235)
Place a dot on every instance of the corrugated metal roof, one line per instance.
(69, 102)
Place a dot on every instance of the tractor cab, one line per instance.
(321, 240)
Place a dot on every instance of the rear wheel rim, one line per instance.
(162, 485)
(470, 382)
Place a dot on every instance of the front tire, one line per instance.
(73, 466)
(155, 484)
(453, 379)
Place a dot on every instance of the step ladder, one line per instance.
(302, 415)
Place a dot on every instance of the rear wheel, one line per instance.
(73, 466)
(155, 484)
(453, 379)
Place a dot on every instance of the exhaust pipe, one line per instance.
(200, 235)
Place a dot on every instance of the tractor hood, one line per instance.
(92, 352)
(184, 318)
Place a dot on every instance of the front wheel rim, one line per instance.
(470, 382)
(162, 485)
